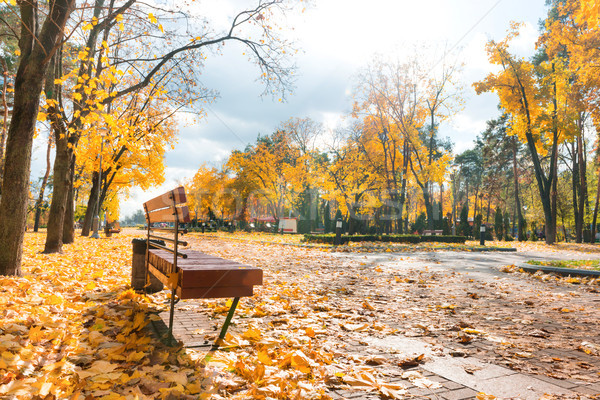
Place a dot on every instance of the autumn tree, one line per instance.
(534, 97)
(388, 100)
(571, 35)
(502, 158)
(347, 176)
(41, 32)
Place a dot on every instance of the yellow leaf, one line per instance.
(35, 333)
(152, 18)
(252, 334)
(301, 362)
(264, 358)
(367, 306)
(135, 356)
(55, 300)
(310, 332)
(173, 280)
(97, 368)
(139, 321)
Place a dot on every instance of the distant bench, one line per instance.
(191, 274)
(433, 232)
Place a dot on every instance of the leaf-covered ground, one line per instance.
(71, 328)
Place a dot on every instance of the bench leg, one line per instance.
(172, 312)
(226, 323)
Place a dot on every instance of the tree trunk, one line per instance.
(402, 199)
(582, 184)
(4, 116)
(520, 233)
(15, 185)
(69, 220)
(40, 199)
(91, 206)
(35, 56)
(575, 191)
(595, 217)
(56, 218)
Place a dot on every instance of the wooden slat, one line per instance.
(224, 276)
(168, 215)
(202, 270)
(216, 292)
(160, 275)
(166, 199)
(170, 240)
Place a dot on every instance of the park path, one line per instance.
(437, 324)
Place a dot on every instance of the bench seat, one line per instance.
(205, 276)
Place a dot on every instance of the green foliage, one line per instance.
(464, 229)
(499, 224)
(80, 212)
(533, 236)
(327, 218)
(523, 232)
(420, 224)
(446, 228)
(477, 226)
(506, 223)
(304, 225)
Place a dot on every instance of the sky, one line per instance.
(336, 39)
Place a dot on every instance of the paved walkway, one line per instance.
(461, 371)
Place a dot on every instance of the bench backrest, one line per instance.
(170, 208)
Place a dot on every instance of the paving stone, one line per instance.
(562, 383)
(453, 385)
(519, 386)
(586, 390)
(453, 369)
(460, 394)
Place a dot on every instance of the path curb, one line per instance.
(558, 271)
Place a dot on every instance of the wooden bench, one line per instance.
(191, 274)
(432, 232)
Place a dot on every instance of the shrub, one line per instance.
(444, 239)
(330, 238)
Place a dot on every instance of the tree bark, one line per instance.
(91, 206)
(582, 184)
(69, 220)
(596, 206)
(520, 233)
(575, 192)
(40, 199)
(56, 217)
(36, 52)
(4, 116)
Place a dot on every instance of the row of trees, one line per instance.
(531, 162)
(108, 75)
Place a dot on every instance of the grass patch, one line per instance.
(593, 265)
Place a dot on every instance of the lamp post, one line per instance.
(96, 219)
(482, 235)
(338, 232)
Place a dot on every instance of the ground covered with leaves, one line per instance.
(72, 328)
